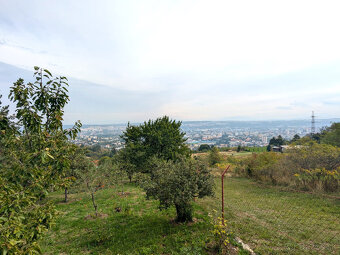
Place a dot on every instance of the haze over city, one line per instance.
(190, 60)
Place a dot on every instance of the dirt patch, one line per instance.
(123, 194)
(93, 216)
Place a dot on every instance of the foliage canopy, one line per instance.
(161, 138)
(178, 183)
(33, 158)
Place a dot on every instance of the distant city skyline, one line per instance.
(216, 133)
(190, 60)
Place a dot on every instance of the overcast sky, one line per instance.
(191, 60)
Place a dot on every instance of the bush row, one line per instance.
(314, 167)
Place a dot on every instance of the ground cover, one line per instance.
(275, 221)
(271, 220)
(128, 224)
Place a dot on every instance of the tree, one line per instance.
(277, 141)
(177, 183)
(95, 178)
(161, 138)
(204, 147)
(33, 158)
(238, 148)
(214, 156)
(131, 159)
(332, 135)
(78, 160)
(6, 121)
(296, 138)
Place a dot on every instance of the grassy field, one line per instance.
(137, 227)
(270, 220)
(273, 221)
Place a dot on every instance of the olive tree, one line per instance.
(177, 183)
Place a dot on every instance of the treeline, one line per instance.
(239, 148)
(327, 135)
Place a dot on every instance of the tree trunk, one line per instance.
(184, 212)
(94, 204)
(65, 195)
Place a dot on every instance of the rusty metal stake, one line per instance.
(222, 176)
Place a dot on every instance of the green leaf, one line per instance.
(46, 71)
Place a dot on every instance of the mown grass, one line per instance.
(270, 220)
(274, 221)
(139, 227)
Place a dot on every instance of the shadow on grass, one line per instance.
(124, 234)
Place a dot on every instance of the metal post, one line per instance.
(222, 176)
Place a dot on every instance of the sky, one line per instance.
(190, 60)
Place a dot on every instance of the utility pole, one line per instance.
(312, 130)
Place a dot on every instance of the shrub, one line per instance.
(214, 156)
(309, 167)
(318, 179)
(221, 236)
(177, 183)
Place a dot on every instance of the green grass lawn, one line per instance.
(273, 221)
(270, 220)
(139, 228)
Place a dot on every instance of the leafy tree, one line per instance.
(113, 152)
(131, 159)
(96, 148)
(78, 161)
(177, 183)
(33, 158)
(332, 135)
(7, 124)
(238, 148)
(204, 147)
(317, 136)
(95, 178)
(296, 138)
(104, 160)
(277, 141)
(161, 138)
(214, 156)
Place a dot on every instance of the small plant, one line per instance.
(221, 236)
(94, 178)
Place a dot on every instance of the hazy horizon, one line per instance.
(319, 123)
